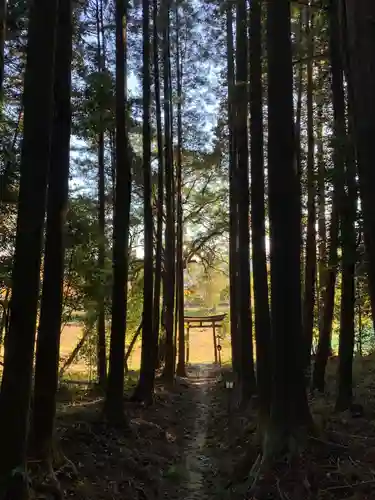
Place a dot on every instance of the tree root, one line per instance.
(254, 475)
(45, 468)
(278, 447)
(248, 484)
(117, 420)
(62, 463)
(43, 479)
(142, 395)
(181, 371)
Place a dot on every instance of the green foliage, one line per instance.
(207, 285)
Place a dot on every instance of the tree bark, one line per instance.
(144, 390)
(113, 406)
(360, 18)
(339, 154)
(35, 155)
(101, 340)
(299, 90)
(247, 376)
(262, 313)
(322, 240)
(169, 280)
(289, 416)
(325, 330)
(3, 25)
(160, 200)
(48, 340)
(310, 260)
(180, 231)
(4, 316)
(348, 215)
(73, 355)
(233, 208)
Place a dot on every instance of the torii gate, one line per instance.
(214, 322)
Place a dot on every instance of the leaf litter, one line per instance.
(149, 462)
(338, 464)
(191, 445)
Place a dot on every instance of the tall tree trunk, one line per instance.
(247, 376)
(348, 200)
(289, 414)
(4, 316)
(35, 155)
(347, 308)
(48, 340)
(233, 209)
(145, 386)
(173, 312)
(115, 384)
(169, 281)
(339, 131)
(360, 17)
(160, 200)
(325, 329)
(310, 261)
(3, 25)
(262, 313)
(322, 239)
(299, 85)
(180, 230)
(101, 340)
(112, 137)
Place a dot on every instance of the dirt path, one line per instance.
(197, 458)
(167, 454)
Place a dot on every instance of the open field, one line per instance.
(201, 350)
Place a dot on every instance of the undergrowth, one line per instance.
(337, 463)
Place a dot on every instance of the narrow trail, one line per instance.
(197, 458)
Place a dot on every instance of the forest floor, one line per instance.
(337, 463)
(191, 445)
(165, 454)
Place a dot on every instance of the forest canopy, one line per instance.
(178, 166)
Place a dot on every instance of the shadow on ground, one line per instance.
(190, 446)
(164, 456)
(336, 464)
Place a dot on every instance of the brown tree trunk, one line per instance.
(180, 230)
(360, 17)
(48, 340)
(322, 240)
(101, 340)
(325, 330)
(113, 406)
(289, 416)
(169, 279)
(310, 260)
(233, 209)
(160, 200)
(3, 25)
(73, 355)
(4, 316)
(247, 376)
(299, 85)
(145, 387)
(35, 156)
(348, 216)
(258, 229)
(339, 202)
